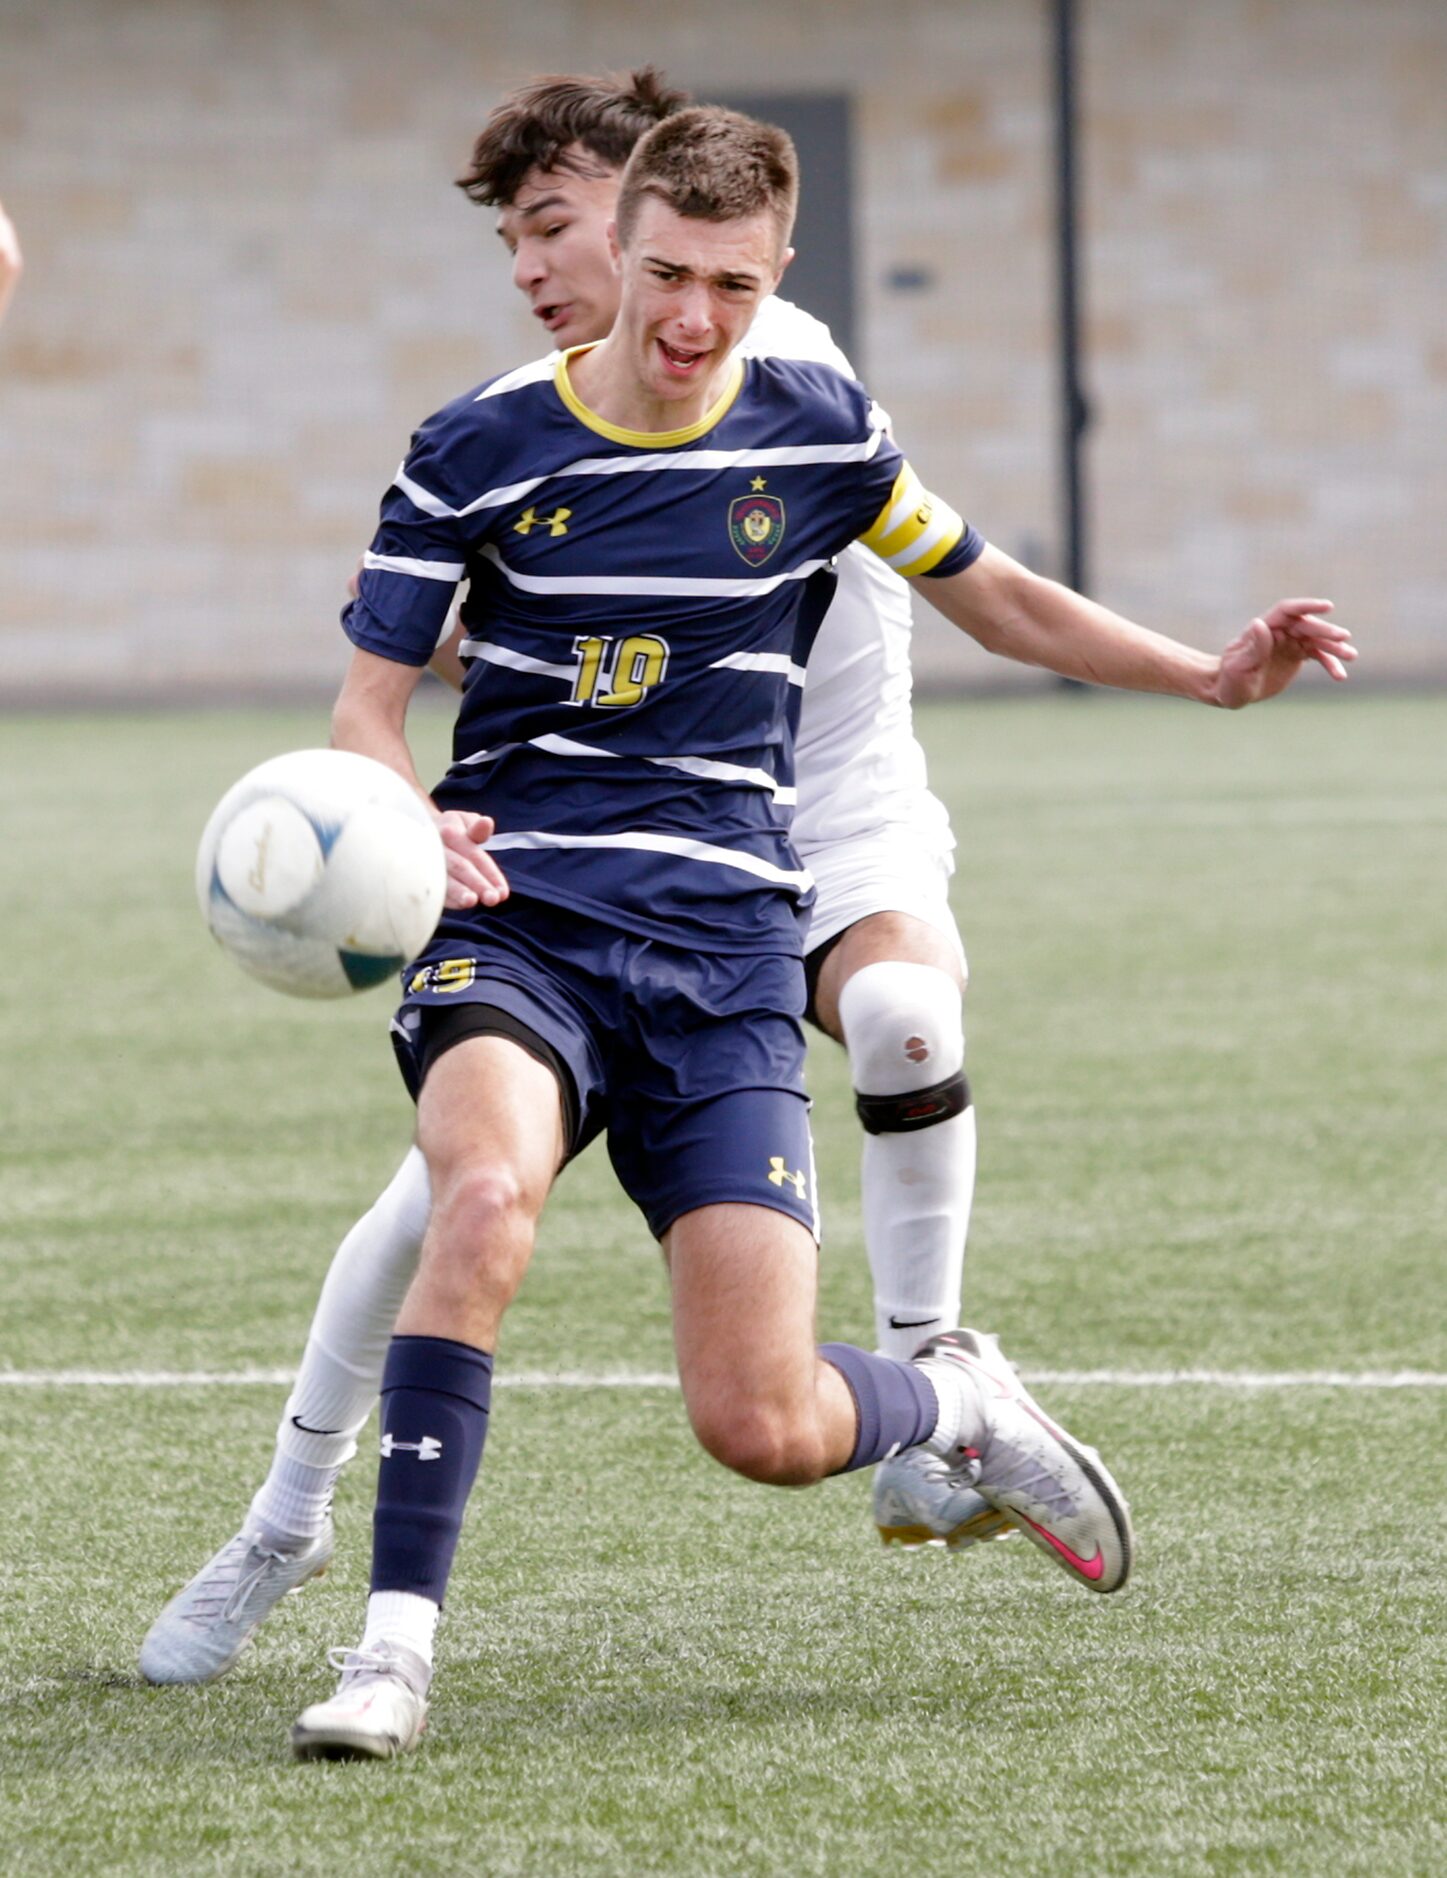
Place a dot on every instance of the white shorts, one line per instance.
(894, 869)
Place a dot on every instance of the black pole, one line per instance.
(1074, 411)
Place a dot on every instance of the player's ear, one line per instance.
(615, 247)
(784, 260)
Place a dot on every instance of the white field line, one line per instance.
(665, 1379)
(1239, 1378)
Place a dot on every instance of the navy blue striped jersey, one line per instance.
(638, 622)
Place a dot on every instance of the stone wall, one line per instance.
(247, 278)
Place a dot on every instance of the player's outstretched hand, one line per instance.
(1268, 655)
(473, 877)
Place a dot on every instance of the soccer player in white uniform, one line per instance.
(209, 1623)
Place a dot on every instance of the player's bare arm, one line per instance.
(11, 260)
(370, 717)
(1023, 616)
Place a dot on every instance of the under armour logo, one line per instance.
(556, 523)
(429, 1448)
(779, 1174)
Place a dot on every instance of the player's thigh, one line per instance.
(522, 972)
(744, 1281)
(885, 936)
(489, 1111)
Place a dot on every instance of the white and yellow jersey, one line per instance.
(858, 766)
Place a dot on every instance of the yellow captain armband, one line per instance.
(914, 530)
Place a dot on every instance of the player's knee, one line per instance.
(762, 1442)
(483, 1220)
(904, 1029)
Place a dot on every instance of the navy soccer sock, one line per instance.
(435, 1396)
(897, 1404)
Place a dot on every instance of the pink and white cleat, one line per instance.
(377, 1713)
(1055, 1490)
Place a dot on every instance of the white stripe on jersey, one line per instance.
(562, 746)
(522, 375)
(420, 570)
(429, 504)
(490, 654)
(554, 745)
(729, 772)
(676, 586)
(797, 881)
(761, 662)
(861, 452)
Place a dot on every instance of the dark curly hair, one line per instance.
(534, 126)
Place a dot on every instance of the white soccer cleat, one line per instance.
(1055, 1490)
(919, 1500)
(378, 1711)
(211, 1620)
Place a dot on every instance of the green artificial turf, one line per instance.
(1207, 1042)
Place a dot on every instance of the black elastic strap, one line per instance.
(921, 1108)
(813, 965)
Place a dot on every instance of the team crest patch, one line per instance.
(756, 526)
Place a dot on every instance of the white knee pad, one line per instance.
(903, 1027)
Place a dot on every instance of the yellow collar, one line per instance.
(641, 439)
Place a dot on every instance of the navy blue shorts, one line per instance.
(692, 1063)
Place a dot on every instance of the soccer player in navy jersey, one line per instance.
(595, 506)
(884, 963)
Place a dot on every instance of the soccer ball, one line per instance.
(321, 873)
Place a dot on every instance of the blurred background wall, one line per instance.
(248, 277)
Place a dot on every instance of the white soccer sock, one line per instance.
(341, 1368)
(904, 1031)
(401, 1617)
(292, 1505)
(961, 1420)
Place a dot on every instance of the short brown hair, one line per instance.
(536, 126)
(713, 165)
